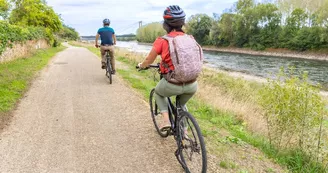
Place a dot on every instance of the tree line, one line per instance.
(293, 24)
(20, 19)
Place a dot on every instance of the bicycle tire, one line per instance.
(109, 71)
(155, 114)
(183, 142)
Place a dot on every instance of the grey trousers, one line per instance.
(165, 89)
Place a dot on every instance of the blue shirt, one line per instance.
(106, 35)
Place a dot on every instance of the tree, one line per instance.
(245, 25)
(269, 19)
(68, 33)
(200, 26)
(287, 6)
(148, 33)
(35, 13)
(322, 14)
(243, 5)
(4, 8)
(297, 19)
(224, 30)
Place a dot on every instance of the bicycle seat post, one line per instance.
(179, 108)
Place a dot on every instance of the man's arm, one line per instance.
(96, 41)
(114, 38)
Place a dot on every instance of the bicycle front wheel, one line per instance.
(156, 114)
(191, 144)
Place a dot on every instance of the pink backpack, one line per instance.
(187, 58)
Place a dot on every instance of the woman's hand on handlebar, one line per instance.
(139, 67)
(150, 66)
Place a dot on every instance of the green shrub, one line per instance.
(12, 33)
(294, 111)
(56, 42)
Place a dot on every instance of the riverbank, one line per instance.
(248, 69)
(320, 55)
(272, 52)
(257, 79)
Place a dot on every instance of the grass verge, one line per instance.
(15, 77)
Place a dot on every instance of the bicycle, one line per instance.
(109, 69)
(184, 129)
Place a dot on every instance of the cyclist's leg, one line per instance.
(162, 91)
(112, 57)
(188, 92)
(161, 102)
(103, 56)
(165, 89)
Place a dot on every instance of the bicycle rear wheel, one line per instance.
(156, 114)
(191, 144)
(109, 71)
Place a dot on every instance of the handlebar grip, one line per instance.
(150, 66)
(154, 66)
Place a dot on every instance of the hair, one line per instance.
(169, 28)
(106, 24)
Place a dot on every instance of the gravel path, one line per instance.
(72, 120)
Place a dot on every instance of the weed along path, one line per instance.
(72, 120)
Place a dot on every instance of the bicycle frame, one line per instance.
(172, 114)
(107, 56)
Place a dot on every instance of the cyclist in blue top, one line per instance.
(108, 40)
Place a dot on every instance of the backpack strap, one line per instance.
(169, 40)
(166, 37)
(172, 43)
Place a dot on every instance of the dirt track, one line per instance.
(72, 120)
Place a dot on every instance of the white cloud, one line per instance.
(87, 15)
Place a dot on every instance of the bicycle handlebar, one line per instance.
(150, 66)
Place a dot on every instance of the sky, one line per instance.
(86, 15)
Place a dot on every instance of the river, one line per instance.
(262, 66)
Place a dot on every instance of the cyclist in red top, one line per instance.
(174, 19)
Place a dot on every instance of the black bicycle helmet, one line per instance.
(174, 16)
(106, 21)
